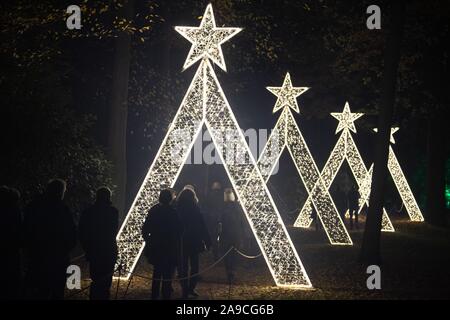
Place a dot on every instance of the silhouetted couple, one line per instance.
(175, 234)
(50, 235)
(47, 235)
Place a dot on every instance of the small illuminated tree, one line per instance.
(345, 149)
(401, 183)
(206, 104)
(286, 134)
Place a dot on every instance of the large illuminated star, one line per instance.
(346, 118)
(287, 94)
(393, 131)
(206, 40)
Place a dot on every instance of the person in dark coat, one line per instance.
(353, 204)
(194, 241)
(10, 243)
(213, 209)
(162, 234)
(231, 229)
(97, 231)
(50, 235)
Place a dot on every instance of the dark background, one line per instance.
(56, 86)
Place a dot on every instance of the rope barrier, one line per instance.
(245, 255)
(192, 275)
(132, 274)
(179, 279)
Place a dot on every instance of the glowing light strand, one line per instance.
(205, 103)
(286, 134)
(344, 149)
(414, 212)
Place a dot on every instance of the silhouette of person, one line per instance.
(315, 219)
(340, 200)
(195, 240)
(174, 194)
(162, 234)
(50, 235)
(97, 231)
(214, 204)
(230, 230)
(10, 243)
(353, 199)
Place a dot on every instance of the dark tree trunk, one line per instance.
(436, 81)
(436, 161)
(370, 250)
(119, 112)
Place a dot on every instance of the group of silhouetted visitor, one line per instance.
(37, 242)
(42, 236)
(176, 232)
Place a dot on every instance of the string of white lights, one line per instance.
(206, 104)
(414, 212)
(286, 134)
(403, 187)
(344, 149)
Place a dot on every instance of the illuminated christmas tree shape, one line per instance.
(206, 104)
(286, 134)
(400, 182)
(345, 149)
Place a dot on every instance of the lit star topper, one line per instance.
(393, 131)
(346, 118)
(287, 94)
(206, 40)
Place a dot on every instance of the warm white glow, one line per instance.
(287, 95)
(391, 137)
(346, 119)
(345, 149)
(364, 191)
(287, 134)
(401, 183)
(206, 104)
(206, 40)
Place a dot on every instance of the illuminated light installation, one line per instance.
(206, 104)
(400, 182)
(286, 134)
(345, 149)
